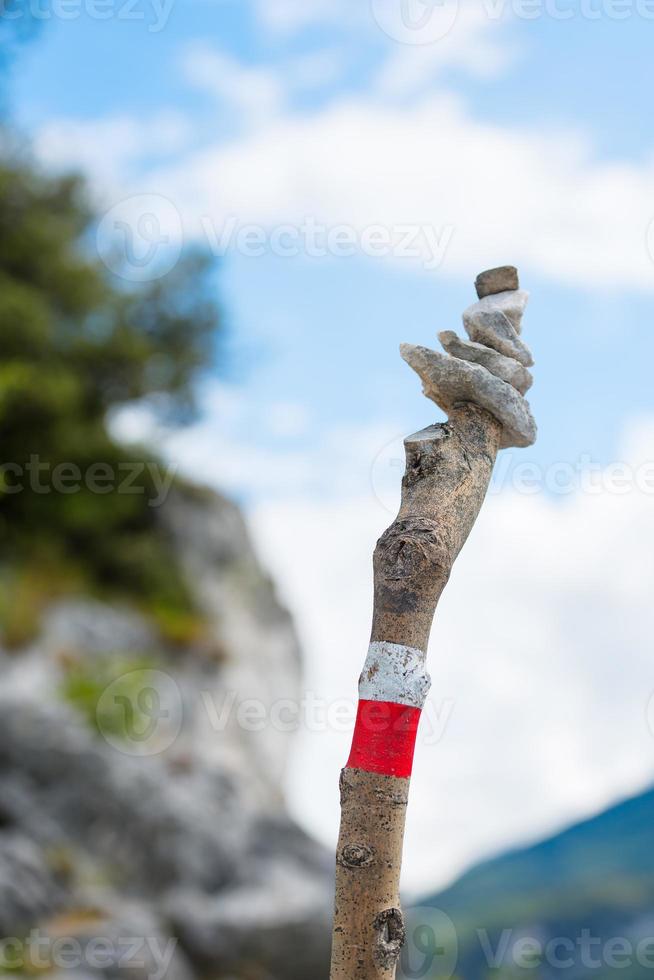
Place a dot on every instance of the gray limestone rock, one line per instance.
(493, 329)
(91, 628)
(512, 304)
(203, 815)
(280, 921)
(506, 368)
(114, 939)
(449, 381)
(28, 887)
(497, 280)
(155, 827)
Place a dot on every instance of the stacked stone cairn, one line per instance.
(491, 368)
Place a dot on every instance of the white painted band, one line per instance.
(396, 673)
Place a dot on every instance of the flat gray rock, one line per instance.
(512, 303)
(493, 329)
(506, 368)
(449, 381)
(279, 920)
(30, 890)
(497, 280)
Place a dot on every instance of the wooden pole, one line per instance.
(448, 470)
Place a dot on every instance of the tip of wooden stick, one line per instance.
(429, 434)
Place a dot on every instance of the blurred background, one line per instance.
(218, 220)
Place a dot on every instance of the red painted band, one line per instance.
(384, 738)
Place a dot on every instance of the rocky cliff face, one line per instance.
(142, 828)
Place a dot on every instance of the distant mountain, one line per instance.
(578, 904)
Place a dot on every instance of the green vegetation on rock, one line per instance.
(87, 682)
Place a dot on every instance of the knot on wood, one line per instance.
(389, 939)
(423, 459)
(357, 856)
(409, 546)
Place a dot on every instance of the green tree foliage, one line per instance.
(75, 344)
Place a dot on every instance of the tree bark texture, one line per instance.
(448, 470)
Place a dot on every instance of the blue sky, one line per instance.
(522, 135)
(573, 79)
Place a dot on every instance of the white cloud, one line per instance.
(287, 419)
(290, 16)
(316, 69)
(230, 447)
(541, 642)
(255, 93)
(476, 44)
(489, 192)
(542, 199)
(105, 147)
(468, 36)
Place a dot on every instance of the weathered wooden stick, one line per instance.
(448, 469)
